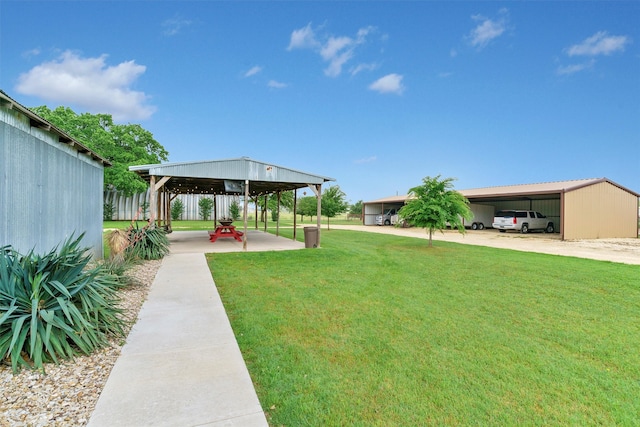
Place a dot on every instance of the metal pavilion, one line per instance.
(241, 176)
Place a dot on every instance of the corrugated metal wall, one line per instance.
(125, 207)
(48, 191)
(600, 211)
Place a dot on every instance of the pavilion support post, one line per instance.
(245, 209)
(256, 203)
(278, 216)
(317, 189)
(295, 212)
(265, 212)
(153, 192)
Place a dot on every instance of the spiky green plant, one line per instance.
(148, 242)
(53, 306)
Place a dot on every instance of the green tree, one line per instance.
(286, 202)
(234, 210)
(177, 208)
(333, 202)
(434, 204)
(123, 145)
(356, 208)
(308, 206)
(206, 206)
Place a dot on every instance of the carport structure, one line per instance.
(242, 176)
(581, 209)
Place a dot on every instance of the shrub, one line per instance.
(53, 306)
(234, 210)
(177, 207)
(148, 242)
(107, 211)
(206, 205)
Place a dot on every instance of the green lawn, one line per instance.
(381, 330)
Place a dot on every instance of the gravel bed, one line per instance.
(67, 394)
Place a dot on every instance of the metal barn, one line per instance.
(580, 209)
(50, 184)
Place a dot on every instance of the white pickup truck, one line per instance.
(522, 221)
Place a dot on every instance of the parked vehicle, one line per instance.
(523, 221)
(388, 217)
(482, 217)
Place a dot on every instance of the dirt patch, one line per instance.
(625, 251)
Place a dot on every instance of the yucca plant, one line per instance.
(148, 242)
(53, 306)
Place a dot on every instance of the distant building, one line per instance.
(580, 209)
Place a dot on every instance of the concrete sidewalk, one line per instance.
(181, 365)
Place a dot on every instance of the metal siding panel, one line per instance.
(600, 211)
(49, 189)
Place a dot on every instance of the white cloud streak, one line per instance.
(304, 38)
(488, 29)
(89, 83)
(276, 84)
(575, 68)
(253, 71)
(601, 43)
(337, 51)
(173, 26)
(366, 160)
(391, 83)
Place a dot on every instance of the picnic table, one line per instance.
(225, 231)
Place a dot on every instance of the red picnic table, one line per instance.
(225, 231)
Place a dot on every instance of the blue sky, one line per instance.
(376, 94)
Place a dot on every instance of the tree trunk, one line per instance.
(430, 234)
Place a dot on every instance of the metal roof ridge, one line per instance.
(74, 142)
(243, 158)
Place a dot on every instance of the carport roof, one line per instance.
(556, 187)
(521, 191)
(208, 177)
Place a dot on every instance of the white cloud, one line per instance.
(571, 69)
(391, 83)
(276, 84)
(89, 83)
(601, 43)
(253, 71)
(488, 29)
(31, 53)
(366, 160)
(337, 51)
(173, 26)
(304, 38)
(362, 67)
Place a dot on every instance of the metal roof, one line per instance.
(539, 188)
(522, 190)
(38, 122)
(208, 177)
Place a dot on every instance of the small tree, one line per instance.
(234, 210)
(177, 208)
(434, 204)
(308, 206)
(206, 206)
(333, 202)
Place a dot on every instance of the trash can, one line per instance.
(311, 237)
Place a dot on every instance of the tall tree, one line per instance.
(333, 202)
(123, 145)
(434, 204)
